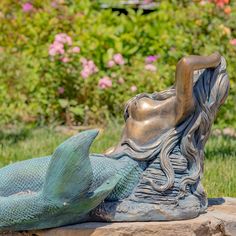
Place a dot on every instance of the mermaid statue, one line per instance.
(153, 174)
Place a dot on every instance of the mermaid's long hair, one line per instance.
(210, 90)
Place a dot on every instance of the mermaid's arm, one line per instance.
(184, 81)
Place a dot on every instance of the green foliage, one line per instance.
(31, 78)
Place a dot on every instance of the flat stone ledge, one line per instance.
(220, 220)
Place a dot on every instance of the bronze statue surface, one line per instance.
(153, 174)
(148, 116)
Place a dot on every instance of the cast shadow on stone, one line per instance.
(215, 201)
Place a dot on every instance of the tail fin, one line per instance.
(70, 173)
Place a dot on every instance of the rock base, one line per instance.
(220, 220)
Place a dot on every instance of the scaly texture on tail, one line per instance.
(74, 184)
(68, 180)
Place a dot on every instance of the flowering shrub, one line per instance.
(77, 64)
(89, 68)
(105, 82)
(27, 7)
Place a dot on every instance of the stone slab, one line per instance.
(220, 220)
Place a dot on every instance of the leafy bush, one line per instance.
(70, 61)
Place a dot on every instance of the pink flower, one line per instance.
(52, 51)
(75, 50)
(57, 45)
(105, 82)
(54, 4)
(56, 48)
(85, 74)
(65, 59)
(60, 38)
(233, 42)
(92, 66)
(27, 7)
(147, 1)
(151, 59)
(89, 68)
(150, 67)
(121, 80)
(118, 59)
(110, 63)
(133, 88)
(63, 38)
(83, 61)
(61, 90)
(68, 40)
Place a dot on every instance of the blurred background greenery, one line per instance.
(45, 80)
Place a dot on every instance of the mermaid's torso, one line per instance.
(147, 118)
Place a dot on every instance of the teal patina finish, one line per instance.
(48, 192)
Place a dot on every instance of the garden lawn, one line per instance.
(220, 164)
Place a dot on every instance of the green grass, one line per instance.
(220, 166)
(220, 163)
